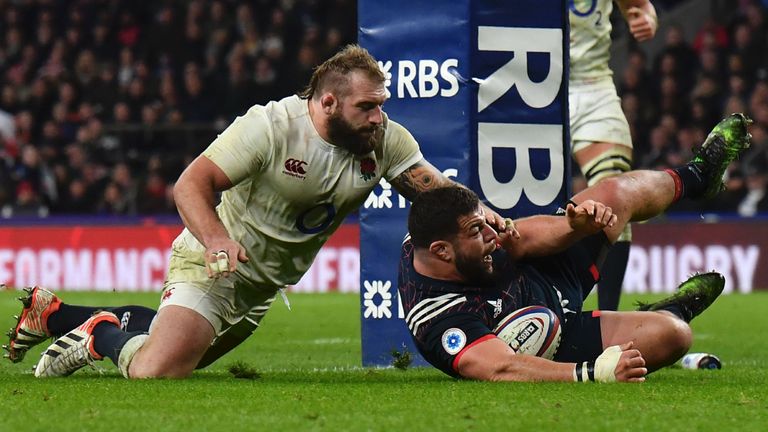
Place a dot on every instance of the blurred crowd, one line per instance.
(103, 102)
(673, 100)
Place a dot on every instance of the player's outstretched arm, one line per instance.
(545, 235)
(195, 195)
(423, 176)
(494, 360)
(641, 18)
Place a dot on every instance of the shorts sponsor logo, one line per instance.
(295, 168)
(454, 340)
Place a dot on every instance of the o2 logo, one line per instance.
(316, 219)
(584, 12)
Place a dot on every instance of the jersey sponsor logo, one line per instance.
(316, 219)
(295, 168)
(454, 340)
(586, 10)
(496, 307)
(563, 303)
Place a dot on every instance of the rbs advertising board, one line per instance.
(482, 85)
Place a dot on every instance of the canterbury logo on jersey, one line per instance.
(295, 168)
(427, 309)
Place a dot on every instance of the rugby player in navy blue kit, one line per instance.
(460, 278)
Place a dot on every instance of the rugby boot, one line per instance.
(727, 140)
(31, 326)
(692, 296)
(73, 350)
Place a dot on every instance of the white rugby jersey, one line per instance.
(590, 39)
(292, 190)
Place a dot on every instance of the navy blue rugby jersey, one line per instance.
(445, 318)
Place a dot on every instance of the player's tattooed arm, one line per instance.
(419, 177)
(423, 176)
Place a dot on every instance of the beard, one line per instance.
(358, 141)
(475, 271)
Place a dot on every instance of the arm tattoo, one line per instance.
(419, 177)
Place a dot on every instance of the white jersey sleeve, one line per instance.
(402, 150)
(244, 146)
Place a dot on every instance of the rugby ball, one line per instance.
(533, 330)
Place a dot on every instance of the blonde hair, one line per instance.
(333, 74)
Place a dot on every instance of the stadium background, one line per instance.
(103, 102)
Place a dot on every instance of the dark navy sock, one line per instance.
(68, 317)
(676, 310)
(689, 181)
(612, 276)
(134, 318)
(108, 340)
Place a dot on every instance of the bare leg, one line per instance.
(598, 161)
(178, 339)
(633, 196)
(661, 337)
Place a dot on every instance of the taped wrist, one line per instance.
(605, 365)
(584, 372)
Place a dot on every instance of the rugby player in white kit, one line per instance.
(289, 173)
(600, 137)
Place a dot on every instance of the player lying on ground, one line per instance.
(456, 286)
(289, 173)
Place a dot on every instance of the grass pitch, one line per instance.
(307, 377)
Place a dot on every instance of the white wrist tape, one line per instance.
(605, 365)
(222, 261)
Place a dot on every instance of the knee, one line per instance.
(150, 362)
(163, 368)
(677, 337)
(612, 187)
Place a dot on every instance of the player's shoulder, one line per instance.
(396, 139)
(393, 129)
(285, 109)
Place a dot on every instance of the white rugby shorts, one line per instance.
(596, 115)
(223, 301)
